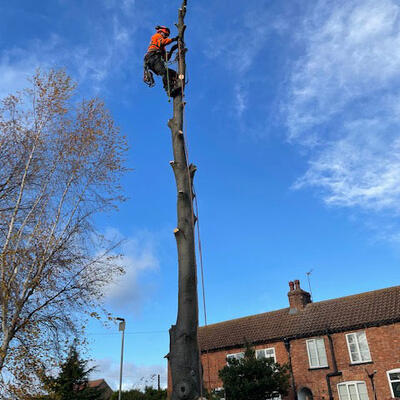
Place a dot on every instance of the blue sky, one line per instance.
(293, 115)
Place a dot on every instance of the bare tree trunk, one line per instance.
(184, 356)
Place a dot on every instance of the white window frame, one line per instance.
(347, 384)
(219, 389)
(235, 355)
(397, 370)
(268, 348)
(358, 348)
(309, 355)
(277, 397)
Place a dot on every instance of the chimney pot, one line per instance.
(298, 298)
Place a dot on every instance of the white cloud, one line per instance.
(239, 48)
(99, 58)
(13, 76)
(125, 6)
(343, 102)
(350, 54)
(360, 169)
(138, 257)
(18, 64)
(241, 99)
(134, 376)
(128, 5)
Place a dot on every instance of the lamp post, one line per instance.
(121, 329)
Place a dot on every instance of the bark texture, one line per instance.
(184, 356)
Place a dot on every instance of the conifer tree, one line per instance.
(72, 380)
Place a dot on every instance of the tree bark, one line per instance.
(184, 358)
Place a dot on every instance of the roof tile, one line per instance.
(377, 307)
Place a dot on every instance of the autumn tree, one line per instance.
(252, 378)
(60, 163)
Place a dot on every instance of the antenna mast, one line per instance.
(309, 281)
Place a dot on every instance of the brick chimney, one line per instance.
(298, 298)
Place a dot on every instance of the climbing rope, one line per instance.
(166, 66)
(196, 206)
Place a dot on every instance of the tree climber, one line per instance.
(156, 58)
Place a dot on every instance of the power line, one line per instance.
(126, 333)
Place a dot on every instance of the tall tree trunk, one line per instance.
(184, 356)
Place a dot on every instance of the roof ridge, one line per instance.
(310, 304)
(246, 317)
(96, 380)
(358, 294)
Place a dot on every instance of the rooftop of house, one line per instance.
(304, 318)
(97, 383)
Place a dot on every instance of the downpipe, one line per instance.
(286, 341)
(335, 371)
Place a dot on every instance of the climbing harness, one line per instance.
(148, 77)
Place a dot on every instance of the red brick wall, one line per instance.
(217, 361)
(384, 345)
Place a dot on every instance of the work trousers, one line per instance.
(154, 60)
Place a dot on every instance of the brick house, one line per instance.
(102, 385)
(346, 348)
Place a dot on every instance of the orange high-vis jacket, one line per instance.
(158, 43)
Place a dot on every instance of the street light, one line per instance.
(121, 329)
